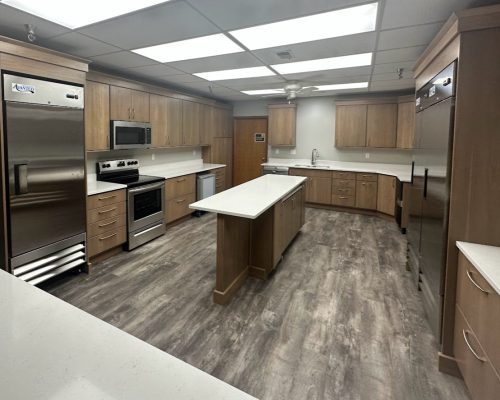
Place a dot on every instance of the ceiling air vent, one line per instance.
(284, 55)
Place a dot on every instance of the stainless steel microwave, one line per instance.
(130, 135)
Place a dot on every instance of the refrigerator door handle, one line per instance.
(412, 171)
(426, 176)
(21, 178)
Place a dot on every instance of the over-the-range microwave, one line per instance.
(130, 135)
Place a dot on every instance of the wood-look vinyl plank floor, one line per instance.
(339, 319)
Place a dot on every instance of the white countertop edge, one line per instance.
(486, 259)
(98, 187)
(248, 216)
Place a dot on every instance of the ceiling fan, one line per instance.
(291, 90)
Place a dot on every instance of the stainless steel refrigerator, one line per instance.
(45, 176)
(430, 189)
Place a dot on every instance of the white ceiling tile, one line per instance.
(122, 59)
(328, 76)
(240, 85)
(399, 55)
(392, 67)
(169, 22)
(248, 82)
(181, 78)
(79, 45)
(155, 70)
(341, 46)
(12, 23)
(408, 37)
(332, 81)
(401, 13)
(243, 13)
(381, 86)
(227, 61)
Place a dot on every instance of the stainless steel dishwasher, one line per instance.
(269, 169)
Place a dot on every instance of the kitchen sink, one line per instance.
(312, 166)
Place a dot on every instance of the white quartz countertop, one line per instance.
(400, 171)
(50, 350)
(165, 171)
(250, 199)
(486, 259)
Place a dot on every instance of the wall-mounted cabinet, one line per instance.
(281, 124)
(96, 116)
(191, 123)
(128, 104)
(375, 123)
(166, 121)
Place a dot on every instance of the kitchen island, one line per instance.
(52, 350)
(256, 221)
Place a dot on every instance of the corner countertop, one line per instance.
(400, 171)
(486, 259)
(163, 170)
(53, 351)
(250, 199)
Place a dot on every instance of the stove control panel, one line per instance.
(116, 165)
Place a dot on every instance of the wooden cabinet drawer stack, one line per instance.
(106, 221)
(343, 189)
(477, 329)
(179, 193)
(220, 179)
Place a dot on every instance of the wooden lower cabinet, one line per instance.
(106, 222)
(180, 192)
(344, 189)
(318, 188)
(220, 179)
(386, 195)
(366, 191)
(179, 207)
(179, 186)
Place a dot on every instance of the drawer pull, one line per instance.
(180, 201)
(366, 176)
(181, 180)
(108, 223)
(108, 237)
(362, 183)
(342, 197)
(469, 275)
(107, 197)
(106, 211)
(465, 333)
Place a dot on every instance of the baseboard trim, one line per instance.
(226, 296)
(448, 365)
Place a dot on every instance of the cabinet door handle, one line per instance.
(106, 211)
(129, 114)
(180, 201)
(106, 197)
(465, 333)
(469, 275)
(181, 180)
(342, 197)
(108, 237)
(133, 113)
(363, 184)
(426, 178)
(108, 223)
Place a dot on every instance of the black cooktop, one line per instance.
(131, 180)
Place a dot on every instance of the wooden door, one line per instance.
(96, 116)
(406, 125)
(120, 104)
(222, 153)
(381, 125)
(191, 123)
(282, 119)
(366, 195)
(174, 122)
(140, 105)
(158, 110)
(386, 194)
(350, 125)
(249, 154)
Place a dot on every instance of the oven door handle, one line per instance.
(147, 188)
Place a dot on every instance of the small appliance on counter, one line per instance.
(145, 199)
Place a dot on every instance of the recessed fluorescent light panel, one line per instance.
(205, 46)
(343, 86)
(75, 14)
(347, 21)
(323, 64)
(263, 91)
(235, 73)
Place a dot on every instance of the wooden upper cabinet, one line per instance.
(191, 123)
(174, 121)
(96, 116)
(406, 125)
(207, 129)
(158, 114)
(386, 197)
(281, 124)
(350, 125)
(222, 122)
(128, 104)
(381, 125)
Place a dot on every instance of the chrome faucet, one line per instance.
(314, 156)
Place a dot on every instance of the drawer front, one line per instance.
(106, 241)
(343, 184)
(343, 191)
(478, 374)
(219, 172)
(220, 185)
(310, 172)
(179, 207)
(478, 304)
(106, 212)
(366, 195)
(105, 199)
(343, 175)
(180, 186)
(343, 200)
(361, 176)
(101, 227)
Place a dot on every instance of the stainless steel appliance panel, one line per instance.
(46, 177)
(145, 205)
(275, 170)
(130, 135)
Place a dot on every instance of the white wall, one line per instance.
(145, 156)
(316, 129)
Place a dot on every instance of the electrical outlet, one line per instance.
(153, 156)
(293, 151)
(276, 151)
(367, 155)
